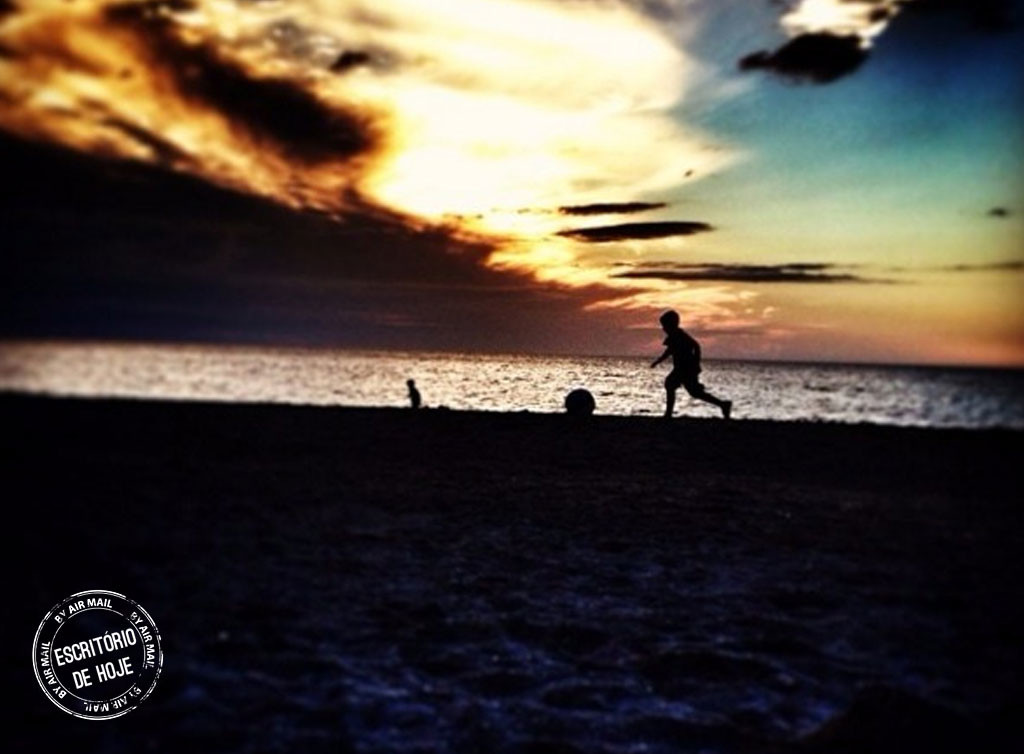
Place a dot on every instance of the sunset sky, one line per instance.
(810, 180)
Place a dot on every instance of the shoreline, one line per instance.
(14, 396)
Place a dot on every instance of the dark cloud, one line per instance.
(268, 109)
(108, 248)
(747, 273)
(820, 58)
(635, 231)
(81, 223)
(797, 272)
(350, 59)
(1011, 265)
(1008, 266)
(6, 7)
(999, 212)
(610, 208)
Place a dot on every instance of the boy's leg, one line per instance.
(672, 383)
(696, 390)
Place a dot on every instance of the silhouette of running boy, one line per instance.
(685, 353)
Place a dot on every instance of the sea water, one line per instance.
(900, 395)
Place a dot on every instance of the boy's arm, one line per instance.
(668, 352)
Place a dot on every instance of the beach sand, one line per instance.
(386, 580)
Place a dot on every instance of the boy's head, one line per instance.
(669, 320)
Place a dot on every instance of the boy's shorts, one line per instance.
(687, 380)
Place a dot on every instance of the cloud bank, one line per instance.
(799, 272)
(819, 57)
(610, 208)
(635, 231)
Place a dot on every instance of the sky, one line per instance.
(805, 180)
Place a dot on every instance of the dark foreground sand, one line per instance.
(385, 580)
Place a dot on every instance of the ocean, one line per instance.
(894, 395)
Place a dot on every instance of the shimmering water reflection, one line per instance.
(922, 396)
